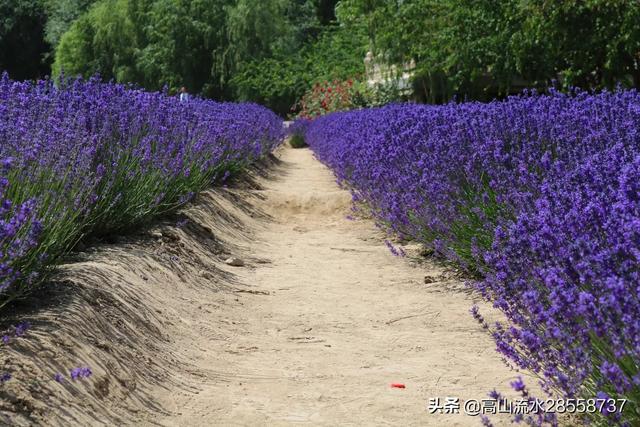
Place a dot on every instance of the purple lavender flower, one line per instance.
(475, 312)
(21, 328)
(603, 405)
(518, 385)
(538, 195)
(80, 372)
(485, 421)
(494, 394)
(104, 157)
(392, 248)
(75, 373)
(4, 377)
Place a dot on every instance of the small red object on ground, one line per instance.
(397, 385)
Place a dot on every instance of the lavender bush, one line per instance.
(88, 158)
(538, 195)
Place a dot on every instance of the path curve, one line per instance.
(330, 320)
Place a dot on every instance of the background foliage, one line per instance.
(274, 51)
(481, 49)
(22, 44)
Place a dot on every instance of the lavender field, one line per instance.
(85, 158)
(538, 196)
(319, 212)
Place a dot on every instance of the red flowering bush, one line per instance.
(329, 97)
(341, 95)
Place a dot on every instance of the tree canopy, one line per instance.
(273, 51)
(23, 49)
(482, 48)
(226, 49)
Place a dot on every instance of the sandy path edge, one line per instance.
(312, 329)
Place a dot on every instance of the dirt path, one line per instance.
(330, 318)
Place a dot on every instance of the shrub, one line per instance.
(297, 141)
(326, 98)
(87, 158)
(338, 95)
(537, 194)
(296, 133)
(280, 81)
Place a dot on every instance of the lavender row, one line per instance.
(86, 158)
(539, 195)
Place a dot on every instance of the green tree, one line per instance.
(99, 42)
(218, 48)
(481, 49)
(255, 32)
(280, 81)
(60, 15)
(460, 47)
(155, 43)
(591, 44)
(184, 43)
(22, 46)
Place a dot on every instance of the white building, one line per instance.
(380, 73)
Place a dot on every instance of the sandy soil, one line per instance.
(312, 329)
